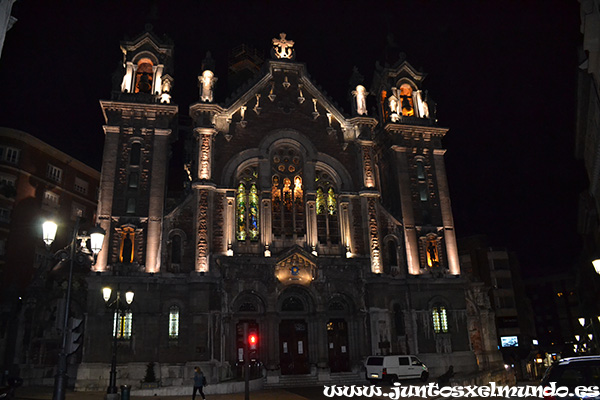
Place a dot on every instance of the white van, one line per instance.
(393, 368)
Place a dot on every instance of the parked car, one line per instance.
(573, 372)
(394, 368)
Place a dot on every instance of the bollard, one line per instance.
(125, 391)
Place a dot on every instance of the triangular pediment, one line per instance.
(284, 88)
(295, 267)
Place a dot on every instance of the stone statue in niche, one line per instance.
(207, 82)
(421, 104)
(361, 99)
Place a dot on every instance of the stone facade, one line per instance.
(329, 236)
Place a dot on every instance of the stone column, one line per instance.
(107, 186)
(156, 199)
(410, 233)
(447, 218)
(204, 142)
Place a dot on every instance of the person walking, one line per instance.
(199, 383)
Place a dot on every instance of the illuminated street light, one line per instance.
(78, 244)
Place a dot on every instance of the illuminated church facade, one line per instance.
(330, 236)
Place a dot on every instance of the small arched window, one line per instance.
(247, 206)
(143, 76)
(440, 319)
(176, 249)
(173, 322)
(136, 152)
(133, 180)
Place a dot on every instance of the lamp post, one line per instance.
(96, 237)
(120, 308)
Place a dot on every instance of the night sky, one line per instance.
(503, 74)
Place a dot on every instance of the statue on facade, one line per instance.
(360, 94)
(207, 81)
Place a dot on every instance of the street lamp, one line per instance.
(120, 308)
(78, 243)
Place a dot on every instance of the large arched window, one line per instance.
(287, 193)
(328, 230)
(143, 76)
(247, 208)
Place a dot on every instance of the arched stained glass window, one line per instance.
(287, 193)
(321, 204)
(253, 213)
(241, 212)
(327, 209)
(247, 206)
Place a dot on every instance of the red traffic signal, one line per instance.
(252, 340)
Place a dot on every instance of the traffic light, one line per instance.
(252, 341)
(72, 336)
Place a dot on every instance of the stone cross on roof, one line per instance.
(283, 47)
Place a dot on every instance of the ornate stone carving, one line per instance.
(374, 236)
(369, 179)
(202, 234)
(218, 221)
(205, 144)
(282, 47)
(286, 83)
(257, 107)
(315, 113)
(295, 269)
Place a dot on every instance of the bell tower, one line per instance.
(414, 160)
(139, 124)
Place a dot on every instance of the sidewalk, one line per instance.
(45, 393)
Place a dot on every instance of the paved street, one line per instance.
(300, 393)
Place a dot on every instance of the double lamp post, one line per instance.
(78, 244)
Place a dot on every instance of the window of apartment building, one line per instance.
(4, 215)
(81, 186)
(7, 186)
(54, 173)
(51, 199)
(9, 154)
(77, 211)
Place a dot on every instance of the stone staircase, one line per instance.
(339, 378)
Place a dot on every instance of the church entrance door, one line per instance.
(293, 347)
(337, 342)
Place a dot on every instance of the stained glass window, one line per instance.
(247, 206)
(440, 319)
(241, 212)
(320, 202)
(253, 216)
(122, 325)
(287, 193)
(331, 202)
(326, 204)
(174, 322)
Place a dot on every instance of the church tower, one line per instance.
(413, 170)
(139, 122)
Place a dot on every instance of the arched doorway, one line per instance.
(293, 338)
(337, 335)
